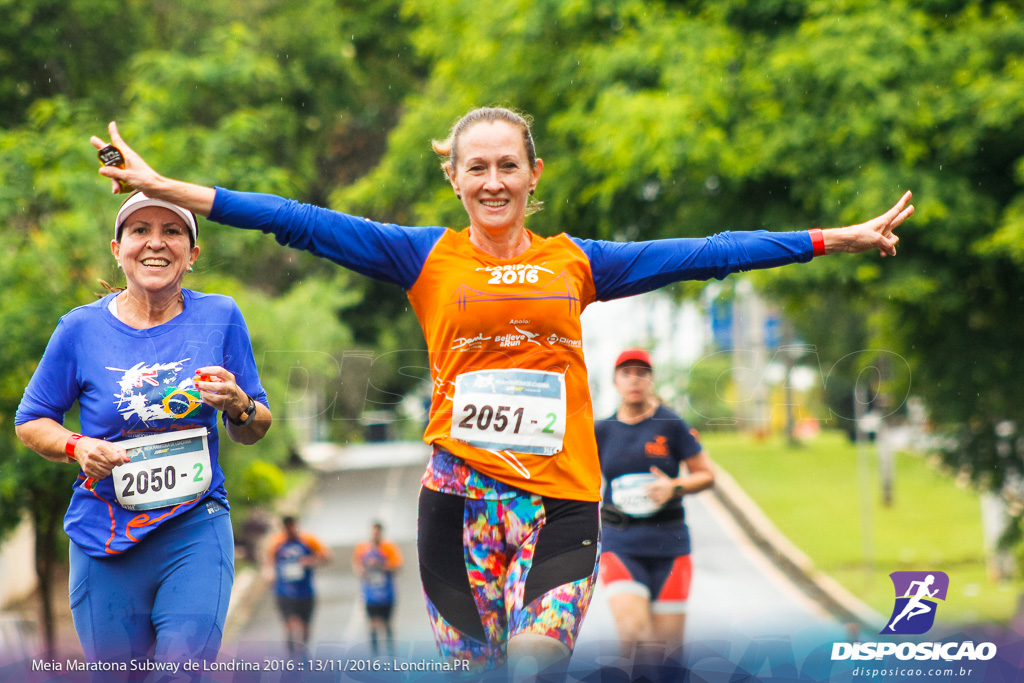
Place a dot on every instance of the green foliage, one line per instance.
(655, 119)
(260, 484)
(45, 270)
(257, 95)
(707, 392)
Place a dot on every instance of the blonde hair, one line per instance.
(447, 149)
(111, 289)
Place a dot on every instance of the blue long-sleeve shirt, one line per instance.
(499, 317)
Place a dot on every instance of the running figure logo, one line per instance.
(917, 594)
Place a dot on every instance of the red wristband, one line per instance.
(69, 447)
(817, 241)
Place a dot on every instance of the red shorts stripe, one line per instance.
(677, 585)
(612, 569)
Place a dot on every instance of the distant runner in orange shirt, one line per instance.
(375, 563)
(509, 525)
(293, 554)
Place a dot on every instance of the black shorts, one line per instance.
(296, 607)
(380, 611)
(539, 553)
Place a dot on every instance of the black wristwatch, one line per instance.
(247, 416)
(677, 491)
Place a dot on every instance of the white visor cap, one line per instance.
(140, 201)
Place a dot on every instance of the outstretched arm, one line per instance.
(387, 252)
(627, 268)
(138, 174)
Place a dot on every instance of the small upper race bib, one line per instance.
(516, 410)
(166, 469)
(292, 570)
(629, 494)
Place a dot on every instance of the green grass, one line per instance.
(821, 498)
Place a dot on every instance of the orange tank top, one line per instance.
(481, 313)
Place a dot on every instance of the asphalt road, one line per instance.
(340, 511)
(738, 599)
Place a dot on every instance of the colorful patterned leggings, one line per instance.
(492, 569)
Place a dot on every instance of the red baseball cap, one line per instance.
(636, 355)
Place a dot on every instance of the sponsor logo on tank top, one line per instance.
(658, 447)
(520, 336)
(554, 339)
(519, 273)
(469, 343)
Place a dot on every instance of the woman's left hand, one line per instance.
(662, 488)
(873, 234)
(217, 388)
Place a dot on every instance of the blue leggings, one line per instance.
(165, 599)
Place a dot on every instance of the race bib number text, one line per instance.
(166, 469)
(516, 410)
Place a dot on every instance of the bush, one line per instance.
(260, 483)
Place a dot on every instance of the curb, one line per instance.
(836, 599)
(245, 594)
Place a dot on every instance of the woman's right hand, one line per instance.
(97, 457)
(136, 172)
(139, 175)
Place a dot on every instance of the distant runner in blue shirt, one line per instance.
(151, 553)
(650, 459)
(293, 555)
(375, 563)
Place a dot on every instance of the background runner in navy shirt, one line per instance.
(645, 561)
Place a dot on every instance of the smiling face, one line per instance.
(154, 250)
(493, 175)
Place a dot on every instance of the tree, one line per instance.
(662, 119)
(271, 98)
(45, 267)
